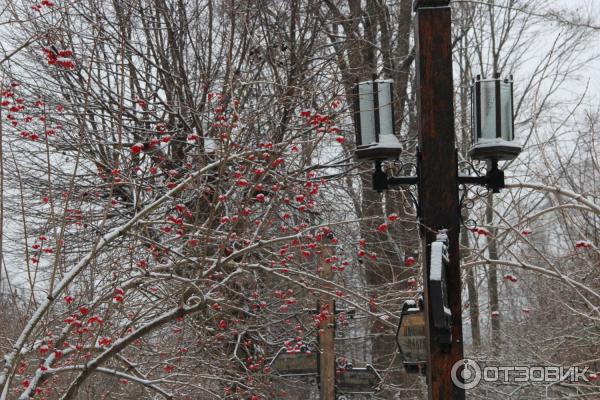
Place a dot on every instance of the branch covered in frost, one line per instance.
(534, 268)
(121, 343)
(10, 358)
(557, 190)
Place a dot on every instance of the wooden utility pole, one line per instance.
(438, 184)
(327, 333)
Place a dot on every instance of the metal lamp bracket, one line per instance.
(493, 178)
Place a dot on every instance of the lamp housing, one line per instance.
(374, 121)
(411, 336)
(492, 119)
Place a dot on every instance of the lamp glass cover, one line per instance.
(488, 110)
(386, 119)
(507, 111)
(367, 116)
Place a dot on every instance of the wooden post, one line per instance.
(327, 332)
(438, 184)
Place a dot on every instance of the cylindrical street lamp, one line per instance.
(374, 121)
(492, 119)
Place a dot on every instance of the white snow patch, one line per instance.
(437, 252)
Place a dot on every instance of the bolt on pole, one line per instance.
(438, 186)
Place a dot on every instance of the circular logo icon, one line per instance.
(466, 374)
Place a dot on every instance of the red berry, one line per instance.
(410, 261)
(383, 227)
(137, 148)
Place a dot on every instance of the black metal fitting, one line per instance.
(493, 179)
(380, 179)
